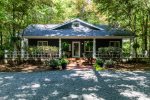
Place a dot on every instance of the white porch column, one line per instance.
(59, 47)
(26, 42)
(94, 48)
(6, 56)
(22, 48)
(27, 46)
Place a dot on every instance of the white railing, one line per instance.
(32, 55)
(109, 56)
(119, 55)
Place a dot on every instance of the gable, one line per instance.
(82, 25)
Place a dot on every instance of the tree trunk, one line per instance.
(136, 54)
(13, 18)
(145, 32)
(1, 40)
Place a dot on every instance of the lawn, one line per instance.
(75, 84)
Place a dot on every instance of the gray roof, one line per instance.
(49, 30)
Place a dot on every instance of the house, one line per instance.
(82, 37)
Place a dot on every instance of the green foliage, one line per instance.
(65, 46)
(1, 53)
(88, 45)
(98, 67)
(136, 45)
(133, 15)
(46, 49)
(109, 63)
(107, 50)
(64, 61)
(99, 62)
(54, 63)
(126, 47)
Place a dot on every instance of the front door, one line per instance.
(75, 49)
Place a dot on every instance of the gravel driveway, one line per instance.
(75, 85)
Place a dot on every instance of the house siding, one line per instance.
(51, 42)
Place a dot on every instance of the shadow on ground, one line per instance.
(75, 84)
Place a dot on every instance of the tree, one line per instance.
(130, 14)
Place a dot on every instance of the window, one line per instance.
(88, 46)
(114, 43)
(75, 24)
(42, 43)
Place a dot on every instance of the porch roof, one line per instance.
(42, 31)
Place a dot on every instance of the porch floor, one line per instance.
(79, 64)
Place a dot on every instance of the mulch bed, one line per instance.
(23, 68)
(40, 67)
(133, 67)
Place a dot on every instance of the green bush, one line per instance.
(64, 61)
(100, 62)
(109, 63)
(1, 54)
(98, 67)
(54, 63)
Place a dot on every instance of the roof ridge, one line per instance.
(77, 19)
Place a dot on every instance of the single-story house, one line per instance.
(77, 33)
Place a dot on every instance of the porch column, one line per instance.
(59, 47)
(26, 42)
(22, 48)
(27, 45)
(94, 48)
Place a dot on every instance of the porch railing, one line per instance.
(120, 55)
(30, 55)
(109, 55)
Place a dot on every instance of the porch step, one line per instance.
(77, 60)
(79, 63)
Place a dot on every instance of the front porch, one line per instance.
(73, 47)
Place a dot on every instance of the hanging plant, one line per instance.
(65, 46)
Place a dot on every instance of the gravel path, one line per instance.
(75, 85)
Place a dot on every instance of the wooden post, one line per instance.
(59, 47)
(6, 56)
(94, 48)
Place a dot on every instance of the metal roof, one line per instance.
(51, 30)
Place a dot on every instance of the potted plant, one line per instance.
(54, 63)
(109, 63)
(64, 63)
(100, 62)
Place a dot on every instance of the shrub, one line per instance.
(109, 63)
(100, 62)
(1, 54)
(64, 63)
(97, 67)
(54, 63)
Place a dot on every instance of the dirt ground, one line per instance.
(23, 68)
(39, 67)
(133, 67)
